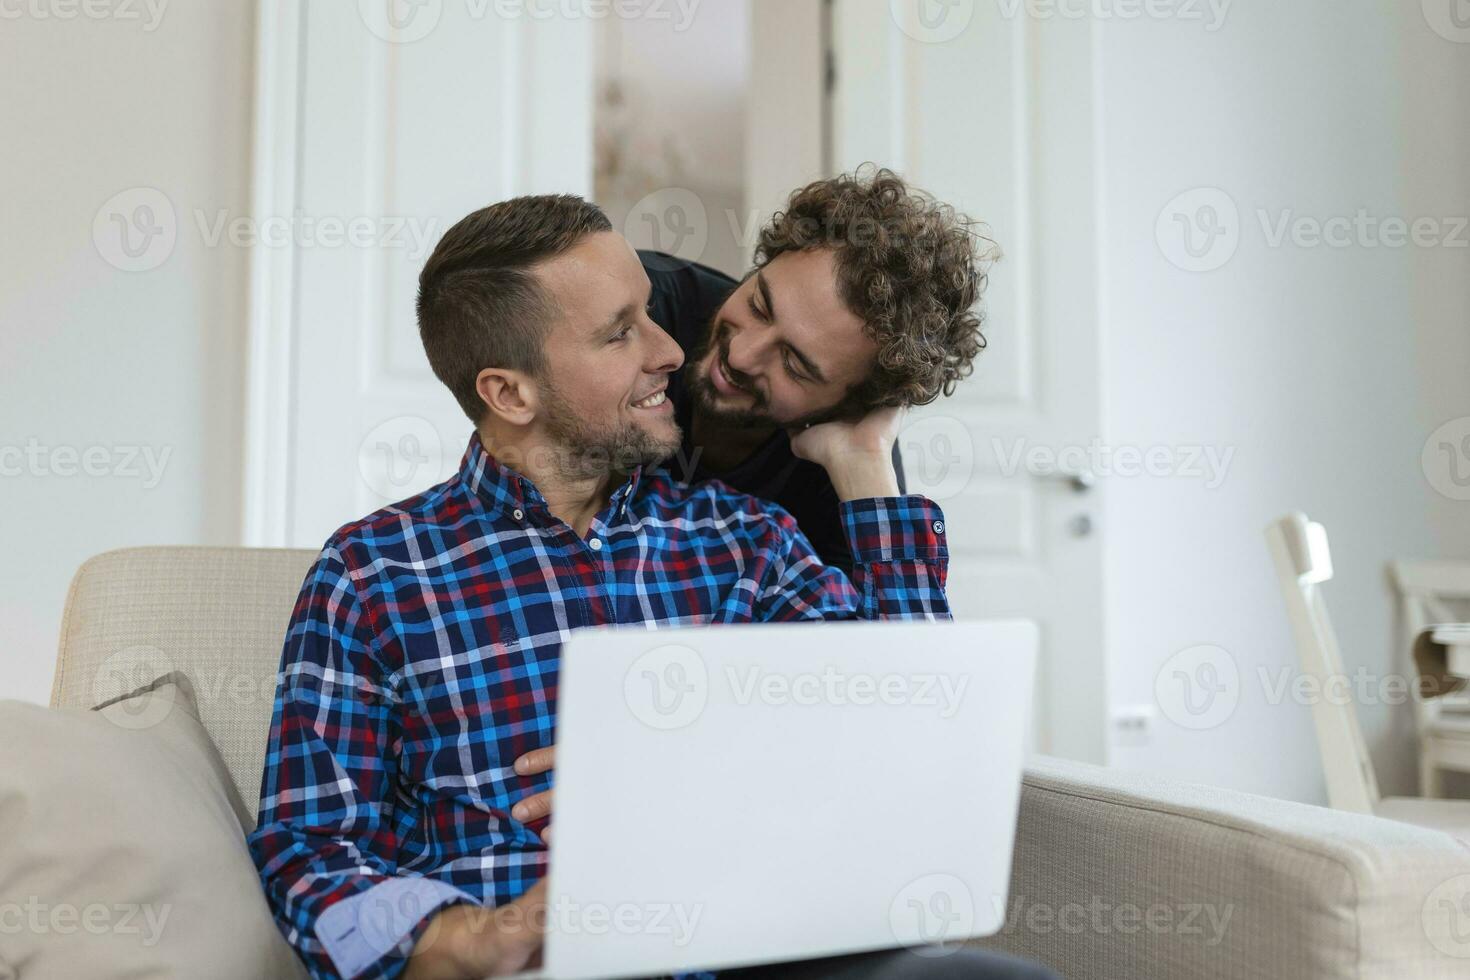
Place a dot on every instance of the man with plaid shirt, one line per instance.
(421, 658)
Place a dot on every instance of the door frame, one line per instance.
(270, 320)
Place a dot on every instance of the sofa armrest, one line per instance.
(1121, 874)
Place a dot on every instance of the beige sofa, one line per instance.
(1116, 875)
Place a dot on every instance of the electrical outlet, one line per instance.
(1133, 724)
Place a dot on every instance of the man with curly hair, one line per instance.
(406, 796)
(863, 295)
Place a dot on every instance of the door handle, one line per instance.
(1081, 481)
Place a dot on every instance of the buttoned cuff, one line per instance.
(361, 929)
(894, 529)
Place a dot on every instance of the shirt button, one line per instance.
(938, 527)
(595, 544)
(518, 513)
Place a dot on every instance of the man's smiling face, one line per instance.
(607, 363)
(783, 349)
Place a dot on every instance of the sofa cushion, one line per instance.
(122, 846)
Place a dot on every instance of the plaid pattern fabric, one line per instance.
(421, 661)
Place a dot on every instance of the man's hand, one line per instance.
(537, 805)
(857, 455)
(464, 942)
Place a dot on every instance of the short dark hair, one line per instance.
(912, 268)
(480, 305)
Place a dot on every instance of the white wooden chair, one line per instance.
(1435, 592)
(1303, 563)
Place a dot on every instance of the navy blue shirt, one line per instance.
(686, 296)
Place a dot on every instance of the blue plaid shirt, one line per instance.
(421, 661)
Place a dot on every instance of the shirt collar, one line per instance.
(501, 488)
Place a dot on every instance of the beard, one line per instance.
(705, 397)
(702, 390)
(586, 448)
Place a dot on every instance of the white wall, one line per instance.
(92, 356)
(1317, 106)
(1323, 369)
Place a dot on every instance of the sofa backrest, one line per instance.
(217, 614)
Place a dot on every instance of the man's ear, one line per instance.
(512, 396)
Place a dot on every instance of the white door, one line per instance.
(994, 115)
(379, 124)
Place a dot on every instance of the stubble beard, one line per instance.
(705, 397)
(587, 449)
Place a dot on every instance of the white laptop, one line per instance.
(735, 795)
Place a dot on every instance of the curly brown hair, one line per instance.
(912, 268)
